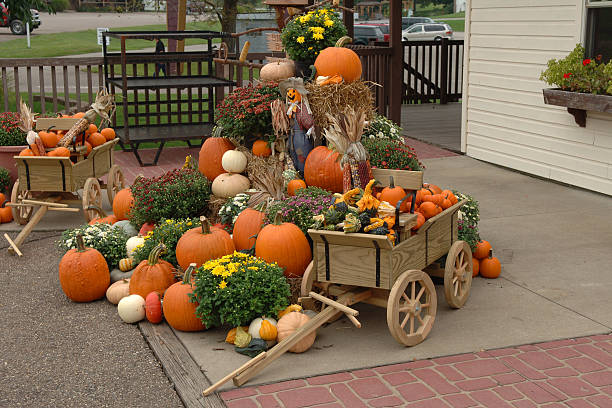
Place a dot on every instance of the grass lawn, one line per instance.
(460, 14)
(457, 25)
(83, 42)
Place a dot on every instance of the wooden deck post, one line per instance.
(349, 18)
(397, 65)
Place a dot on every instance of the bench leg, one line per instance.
(157, 154)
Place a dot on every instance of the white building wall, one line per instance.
(505, 120)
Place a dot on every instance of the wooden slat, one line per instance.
(89, 86)
(17, 93)
(54, 88)
(77, 84)
(57, 123)
(179, 366)
(66, 93)
(41, 81)
(56, 61)
(353, 239)
(5, 89)
(29, 78)
(411, 180)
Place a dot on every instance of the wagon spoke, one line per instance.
(420, 319)
(455, 279)
(413, 290)
(404, 309)
(411, 323)
(405, 296)
(460, 257)
(457, 286)
(405, 320)
(424, 305)
(420, 293)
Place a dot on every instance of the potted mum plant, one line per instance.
(12, 141)
(583, 84)
(306, 35)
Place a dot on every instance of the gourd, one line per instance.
(277, 71)
(122, 204)
(118, 291)
(288, 324)
(322, 169)
(482, 249)
(289, 309)
(108, 133)
(202, 244)
(126, 264)
(338, 60)
(285, 244)
(261, 148)
(153, 307)
(132, 244)
(490, 267)
(127, 227)
(229, 185)
(295, 185)
(49, 139)
(117, 275)
(247, 226)
(179, 311)
(231, 335)
(131, 308)
(211, 154)
(263, 328)
(152, 274)
(83, 273)
(234, 161)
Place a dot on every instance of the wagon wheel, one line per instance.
(115, 183)
(458, 274)
(21, 214)
(309, 284)
(411, 308)
(92, 195)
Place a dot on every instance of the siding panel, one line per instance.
(556, 13)
(548, 28)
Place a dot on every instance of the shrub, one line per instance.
(238, 288)
(10, 133)
(60, 5)
(468, 218)
(382, 128)
(300, 208)
(181, 193)
(391, 154)
(228, 213)
(103, 237)
(5, 180)
(168, 231)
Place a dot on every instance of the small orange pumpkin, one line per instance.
(49, 139)
(490, 267)
(392, 194)
(295, 185)
(429, 209)
(179, 310)
(59, 152)
(152, 274)
(96, 139)
(261, 148)
(482, 249)
(6, 213)
(434, 189)
(420, 221)
(449, 195)
(108, 133)
(26, 152)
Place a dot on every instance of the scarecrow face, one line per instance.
(293, 95)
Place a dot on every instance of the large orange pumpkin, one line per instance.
(247, 225)
(322, 169)
(83, 273)
(285, 244)
(211, 154)
(295, 185)
(179, 311)
(152, 274)
(203, 243)
(261, 148)
(122, 204)
(339, 61)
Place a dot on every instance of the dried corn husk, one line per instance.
(26, 118)
(103, 106)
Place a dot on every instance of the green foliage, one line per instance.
(246, 111)
(21, 9)
(10, 133)
(578, 74)
(305, 36)
(109, 241)
(168, 231)
(300, 209)
(391, 154)
(181, 193)
(238, 288)
(228, 213)
(60, 5)
(468, 218)
(5, 181)
(382, 128)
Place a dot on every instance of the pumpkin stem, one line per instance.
(490, 253)
(205, 225)
(391, 182)
(188, 272)
(342, 41)
(97, 209)
(261, 206)
(278, 219)
(156, 253)
(80, 243)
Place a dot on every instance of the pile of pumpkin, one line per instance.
(484, 263)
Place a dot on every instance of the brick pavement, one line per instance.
(572, 373)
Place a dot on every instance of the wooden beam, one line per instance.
(397, 63)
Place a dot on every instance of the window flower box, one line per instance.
(578, 103)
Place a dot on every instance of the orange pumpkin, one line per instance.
(322, 169)
(102, 218)
(288, 324)
(261, 148)
(295, 185)
(96, 139)
(49, 139)
(152, 274)
(211, 153)
(429, 209)
(247, 225)
(434, 198)
(108, 133)
(434, 189)
(2, 198)
(91, 129)
(179, 311)
(338, 60)
(482, 250)
(420, 221)
(450, 196)
(203, 243)
(446, 203)
(6, 213)
(26, 152)
(83, 273)
(475, 267)
(490, 267)
(78, 115)
(59, 152)
(123, 203)
(392, 194)
(285, 244)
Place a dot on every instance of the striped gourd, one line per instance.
(126, 264)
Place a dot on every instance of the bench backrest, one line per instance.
(410, 180)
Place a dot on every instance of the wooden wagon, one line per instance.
(52, 183)
(396, 277)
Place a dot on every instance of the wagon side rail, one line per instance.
(97, 163)
(448, 212)
(43, 173)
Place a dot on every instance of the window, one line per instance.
(416, 29)
(599, 29)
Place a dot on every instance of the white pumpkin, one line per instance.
(277, 71)
(131, 308)
(234, 161)
(132, 243)
(229, 184)
(255, 327)
(127, 227)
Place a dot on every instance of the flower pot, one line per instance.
(578, 103)
(7, 161)
(302, 69)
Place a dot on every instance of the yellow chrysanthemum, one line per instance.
(253, 268)
(218, 270)
(189, 223)
(329, 22)
(317, 36)
(223, 284)
(300, 39)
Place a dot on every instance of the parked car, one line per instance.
(409, 21)
(17, 23)
(384, 27)
(428, 32)
(366, 33)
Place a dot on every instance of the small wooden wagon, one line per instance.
(395, 276)
(51, 183)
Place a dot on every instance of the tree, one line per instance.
(20, 9)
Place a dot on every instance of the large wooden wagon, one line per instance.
(396, 277)
(52, 183)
